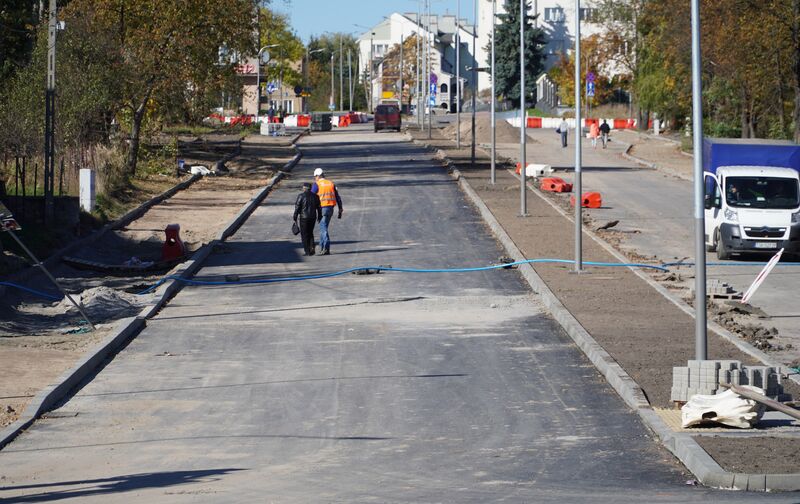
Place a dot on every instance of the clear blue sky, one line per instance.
(315, 17)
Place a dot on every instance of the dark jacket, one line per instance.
(307, 206)
(605, 128)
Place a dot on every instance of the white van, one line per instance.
(752, 209)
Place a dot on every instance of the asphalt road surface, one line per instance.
(359, 388)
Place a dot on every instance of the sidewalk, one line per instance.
(643, 331)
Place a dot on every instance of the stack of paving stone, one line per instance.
(704, 376)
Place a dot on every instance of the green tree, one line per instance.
(391, 69)
(563, 73)
(287, 57)
(319, 71)
(507, 48)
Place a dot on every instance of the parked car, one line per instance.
(387, 117)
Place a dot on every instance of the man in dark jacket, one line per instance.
(308, 209)
(605, 129)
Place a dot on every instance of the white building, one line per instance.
(375, 43)
(556, 18)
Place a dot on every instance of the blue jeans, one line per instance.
(324, 239)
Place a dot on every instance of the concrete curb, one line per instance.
(128, 328)
(691, 454)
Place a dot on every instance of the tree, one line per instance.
(161, 46)
(391, 69)
(507, 48)
(319, 71)
(563, 73)
(275, 29)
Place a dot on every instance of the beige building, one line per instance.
(272, 94)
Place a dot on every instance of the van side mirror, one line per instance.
(710, 202)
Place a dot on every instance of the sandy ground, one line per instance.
(643, 331)
(40, 341)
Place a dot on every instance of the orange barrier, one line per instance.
(589, 122)
(554, 184)
(533, 122)
(589, 200)
(303, 121)
(173, 247)
(344, 121)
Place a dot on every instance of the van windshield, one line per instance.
(762, 192)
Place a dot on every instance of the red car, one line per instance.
(387, 117)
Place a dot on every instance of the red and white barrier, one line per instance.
(553, 122)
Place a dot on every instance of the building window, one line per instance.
(588, 14)
(554, 15)
(443, 88)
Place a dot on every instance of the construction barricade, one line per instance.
(589, 200)
(554, 184)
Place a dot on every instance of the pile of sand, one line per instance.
(504, 132)
(102, 304)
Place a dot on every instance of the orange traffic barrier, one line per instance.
(589, 122)
(554, 184)
(173, 247)
(533, 122)
(303, 121)
(589, 200)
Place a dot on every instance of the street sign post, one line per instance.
(590, 88)
(271, 87)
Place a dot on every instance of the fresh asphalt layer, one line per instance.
(383, 388)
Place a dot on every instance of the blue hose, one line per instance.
(399, 270)
(32, 291)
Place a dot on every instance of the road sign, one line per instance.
(433, 101)
(271, 87)
(433, 89)
(590, 89)
(590, 77)
(434, 79)
(332, 106)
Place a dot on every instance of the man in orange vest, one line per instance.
(328, 199)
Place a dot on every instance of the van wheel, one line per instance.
(722, 252)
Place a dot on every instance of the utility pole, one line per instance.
(578, 135)
(523, 196)
(417, 84)
(401, 71)
(474, 75)
(371, 83)
(333, 81)
(50, 117)
(493, 176)
(700, 314)
(458, 74)
(350, 77)
(429, 70)
(341, 72)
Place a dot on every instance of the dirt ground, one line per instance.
(643, 331)
(41, 340)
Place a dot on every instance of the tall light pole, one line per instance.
(701, 342)
(429, 70)
(474, 74)
(458, 74)
(523, 201)
(305, 76)
(417, 84)
(493, 176)
(50, 116)
(578, 135)
(350, 77)
(332, 105)
(341, 72)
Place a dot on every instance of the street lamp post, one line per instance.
(474, 75)
(493, 176)
(333, 90)
(458, 74)
(578, 135)
(523, 201)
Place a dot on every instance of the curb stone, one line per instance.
(682, 445)
(126, 329)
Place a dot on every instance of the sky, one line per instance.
(315, 17)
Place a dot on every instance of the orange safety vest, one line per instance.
(326, 192)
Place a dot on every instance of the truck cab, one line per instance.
(752, 209)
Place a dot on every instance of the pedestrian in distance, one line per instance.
(328, 199)
(594, 132)
(563, 128)
(605, 129)
(309, 212)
